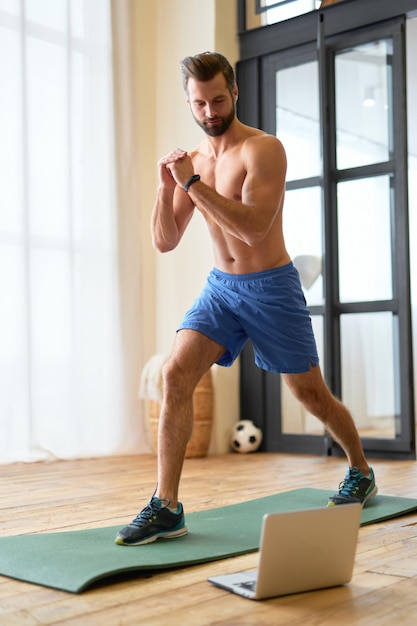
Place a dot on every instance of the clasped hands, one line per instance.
(176, 165)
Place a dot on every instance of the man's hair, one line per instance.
(205, 66)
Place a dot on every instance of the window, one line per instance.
(263, 12)
(58, 307)
(334, 95)
(286, 9)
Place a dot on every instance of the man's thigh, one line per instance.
(193, 353)
(307, 382)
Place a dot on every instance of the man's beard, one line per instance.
(217, 129)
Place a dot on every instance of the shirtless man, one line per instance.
(236, 178)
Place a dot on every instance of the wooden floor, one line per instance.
(70, 495)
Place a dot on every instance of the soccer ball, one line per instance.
(245, 436)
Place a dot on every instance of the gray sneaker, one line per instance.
(153, 522)
(354, 488)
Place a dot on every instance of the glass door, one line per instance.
(341, 118)
(365, 275)
(296, 120)
(369, 188)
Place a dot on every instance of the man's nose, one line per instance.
(210, 110)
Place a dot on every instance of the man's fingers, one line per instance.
(173, 156)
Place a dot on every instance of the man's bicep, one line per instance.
(265, 179)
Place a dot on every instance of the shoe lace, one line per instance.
(350, 485)
(148, 513)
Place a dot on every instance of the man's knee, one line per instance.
(308, 397)
(170, 375)
(316, 398)
(177, 380)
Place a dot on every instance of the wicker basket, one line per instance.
(203, 419)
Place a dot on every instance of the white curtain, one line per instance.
(61, 380)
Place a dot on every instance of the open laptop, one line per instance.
(300, 551)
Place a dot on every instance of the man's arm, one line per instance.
(262, 193)
(173, 207)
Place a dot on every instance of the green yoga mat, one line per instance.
(73, 560)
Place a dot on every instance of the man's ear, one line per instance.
(235, 93)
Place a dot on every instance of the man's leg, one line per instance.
(359, 483)
(311, 390)
(192, 355)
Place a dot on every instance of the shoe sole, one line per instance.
(170, 534)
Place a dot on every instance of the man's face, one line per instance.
(212, 105)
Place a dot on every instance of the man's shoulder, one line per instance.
(262, 141)
(255, 134)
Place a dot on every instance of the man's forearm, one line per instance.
(238, 219)
(163, 225)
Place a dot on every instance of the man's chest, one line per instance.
(226, 175)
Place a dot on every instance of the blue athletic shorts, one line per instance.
(266, 307)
